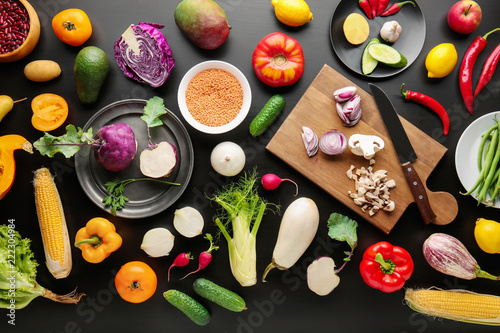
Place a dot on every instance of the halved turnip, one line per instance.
(321, 276)
(158, 161)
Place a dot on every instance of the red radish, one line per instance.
(271, 182)
(180, 261)
(205, 257)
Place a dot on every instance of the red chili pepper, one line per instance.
(365, 5)
(386, 267)
(430, 103)
(382, 5)
(373, 6)
(489, 68)
(395, 8)
(466, 67)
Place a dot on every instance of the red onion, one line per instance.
(333, 142)
(344, 94)
(448, 255)
(310, 139)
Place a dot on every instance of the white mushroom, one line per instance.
(365, 145)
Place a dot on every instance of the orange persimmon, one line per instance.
(49, 111)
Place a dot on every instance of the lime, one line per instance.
(387, 55)
(441, 60)
(292, 12)
(368, 63)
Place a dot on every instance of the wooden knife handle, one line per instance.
(418, 190)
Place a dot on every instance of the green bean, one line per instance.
(485, 137)
(492, 167)
(488, 161)
(494, 189)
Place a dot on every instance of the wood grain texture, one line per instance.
(316, 109)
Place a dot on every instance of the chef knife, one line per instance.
(404, 150)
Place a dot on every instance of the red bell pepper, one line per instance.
(278, 60)
(386, 267)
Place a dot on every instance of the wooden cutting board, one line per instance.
(316, 109)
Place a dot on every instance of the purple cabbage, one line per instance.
(143, 54)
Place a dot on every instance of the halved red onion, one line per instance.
(333, 142)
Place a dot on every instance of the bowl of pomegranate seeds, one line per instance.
(19, 29)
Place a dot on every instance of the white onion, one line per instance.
(333, 142)
(188, 222)
(228, 159)
(158, 242)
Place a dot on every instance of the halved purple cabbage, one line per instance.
(143, 54)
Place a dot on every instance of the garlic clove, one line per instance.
(158, 242)
(188, 221)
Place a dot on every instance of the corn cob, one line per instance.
(459, 305)
(52, 224)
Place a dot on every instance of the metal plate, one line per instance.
(410, 42)
(147, 198)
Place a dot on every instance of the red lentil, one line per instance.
(214, 97)
(14, 25)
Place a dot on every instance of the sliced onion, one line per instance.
(310, 139)
(333, 142)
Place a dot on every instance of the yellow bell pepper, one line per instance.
(487, 234)
(97, 240)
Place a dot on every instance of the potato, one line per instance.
(356, 29)
(42, 70)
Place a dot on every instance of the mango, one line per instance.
(203, 22)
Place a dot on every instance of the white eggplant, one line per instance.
(297, 230)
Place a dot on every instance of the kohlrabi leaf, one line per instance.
(153, 110)
(67, 144)
(343, 229)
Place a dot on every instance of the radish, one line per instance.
(114, 145)
(181, 260)
(297, 230)
(205, 257)
(321, 276)
(157, 159)
(271, 182)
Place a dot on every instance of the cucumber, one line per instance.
(271, 110)
(189, 306)
(219, 295)
(387, 55)
(368, 63)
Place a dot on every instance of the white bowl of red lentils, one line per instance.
(214, 97)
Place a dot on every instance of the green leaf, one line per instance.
(153, 110)
(68, 144)
(343, 229)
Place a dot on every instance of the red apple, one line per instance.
(464, 16)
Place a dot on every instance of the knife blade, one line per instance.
(404, 151)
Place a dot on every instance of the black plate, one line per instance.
(410, 42)
(147, 198)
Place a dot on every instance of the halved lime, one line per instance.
(368, 63)
(387, 55)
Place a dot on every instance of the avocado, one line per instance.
(91, 69)
(203, 22)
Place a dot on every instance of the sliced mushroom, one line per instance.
(365, 145)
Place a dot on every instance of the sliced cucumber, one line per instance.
(368, 63)
(219, 295)
(387, 55)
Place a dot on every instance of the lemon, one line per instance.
(441, 60)
(292, 12)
